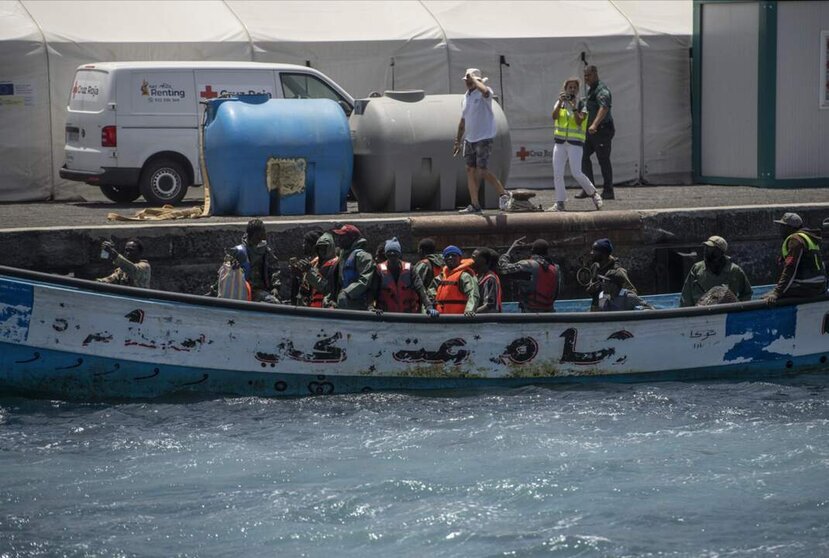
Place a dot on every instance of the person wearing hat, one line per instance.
(356, 269)
(716, 268)
(399, 289)
(456, 289)
(615, 297)
(476, 131)
(803, 273)
(537, 278)
(601, 254)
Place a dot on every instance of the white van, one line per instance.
(132, 128)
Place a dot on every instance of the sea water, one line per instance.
(673, 469)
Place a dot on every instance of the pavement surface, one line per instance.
(86, 206)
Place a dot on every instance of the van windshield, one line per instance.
(90, 91)
(304, 86)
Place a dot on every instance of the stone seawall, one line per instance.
(656, 246)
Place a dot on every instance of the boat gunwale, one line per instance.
(370, 316)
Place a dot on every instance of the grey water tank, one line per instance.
(403, 153)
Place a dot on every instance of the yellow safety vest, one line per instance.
(566, 128)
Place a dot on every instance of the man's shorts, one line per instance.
(476, 154)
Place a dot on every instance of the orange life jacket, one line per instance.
(450, 299)
(397, 296)
(492, 276)
(436, 269)
(327, 270)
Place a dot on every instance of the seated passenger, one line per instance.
(355, 270)
(398, 288)
(456, 289)
(537, 278)
(802, 273)
(130, 269)
(715, 269)
(489, 285)
(615, 297)
(603, 261)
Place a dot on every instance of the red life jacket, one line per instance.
(450, 299)
(397, 296)
(327, 270)
(492, 276)
(543, 294)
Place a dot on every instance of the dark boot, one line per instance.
(607, 194)
(581, 195)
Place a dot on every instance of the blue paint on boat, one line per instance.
(759, 329)
(16, 300)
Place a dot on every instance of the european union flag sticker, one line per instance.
(6, 89)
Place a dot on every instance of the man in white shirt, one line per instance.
(476, 131)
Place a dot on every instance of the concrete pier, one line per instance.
(656, 244)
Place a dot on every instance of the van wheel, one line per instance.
(163, 182)
(120, 194)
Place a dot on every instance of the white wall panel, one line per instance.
(802, 127)
(729, 90)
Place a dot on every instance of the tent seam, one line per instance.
(49, 97)
(641, 89)
(244, 28)
(445, 41)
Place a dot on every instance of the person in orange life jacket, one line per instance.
(257, 260)
(355, 270)
(300, 289)
(489, 285)
(456, 289)
(430, 264)
(803, 273)
(398, 288)
(321, 272)
(537, 278)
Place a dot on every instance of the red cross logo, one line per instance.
(522, 154)
(208, 93)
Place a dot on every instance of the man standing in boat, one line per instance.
(430, 264)
(489, 284)
(399, 289)
(130, 269)
(356, 269)
(537, 278)
(803, 273)
(603, 261)
(715, 269)
(456, 289)
(321, 273)
(257, 260)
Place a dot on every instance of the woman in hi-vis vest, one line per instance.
(570, 118)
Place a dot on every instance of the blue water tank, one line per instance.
(277, 156)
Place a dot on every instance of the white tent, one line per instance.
(641, 49)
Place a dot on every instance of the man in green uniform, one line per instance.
(715, 269)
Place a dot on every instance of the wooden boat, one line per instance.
(74, 339)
